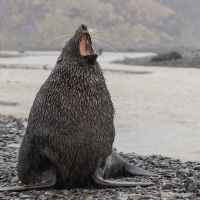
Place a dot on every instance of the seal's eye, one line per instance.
(85, 45)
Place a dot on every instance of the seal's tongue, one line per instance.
(85, 48)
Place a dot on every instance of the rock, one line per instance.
(90, 197)
(65, 192)
(26, 196)
(186, 195)
(130, 197)
(166, 185)
(49, 193)
(136, 197)
(168, 56)
(151, 197)
(110, 190)
(13, 145)
(45, 67)
(1, 195)
(56, 196)
(138, 187)
(176, 182)
(15, 179)
(169, 194)
(42, 197)
(191, 184)
(197, 167)
(192, 187)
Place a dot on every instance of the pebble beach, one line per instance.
(183, 183)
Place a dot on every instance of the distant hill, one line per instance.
(29, 24)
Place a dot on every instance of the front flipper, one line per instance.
(47, 179)
(115, 166)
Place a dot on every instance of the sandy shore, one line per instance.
(157, 109)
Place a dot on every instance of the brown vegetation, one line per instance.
(30, 24)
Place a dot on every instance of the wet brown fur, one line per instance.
(70, 126)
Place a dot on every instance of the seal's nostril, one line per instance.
(84, 27)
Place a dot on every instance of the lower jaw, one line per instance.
(90, 59)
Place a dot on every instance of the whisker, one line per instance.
(55, 39)
(97, 43)
(66, 41)
(112, 42)
(106, 45)
(95, 34)
(93, 30)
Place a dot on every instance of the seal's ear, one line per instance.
(90, 59)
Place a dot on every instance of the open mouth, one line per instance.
(85, 45)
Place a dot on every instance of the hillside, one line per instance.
(29, 24)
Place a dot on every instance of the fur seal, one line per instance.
(70, 132)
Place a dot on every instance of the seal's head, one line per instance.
(80, 45)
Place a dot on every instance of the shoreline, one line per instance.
(188, 60)
(157, 108)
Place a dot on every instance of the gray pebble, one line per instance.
(191, 184)
(42, 197)
(13, 145)
(169, 194)
(186, 195)
(65, 192)
(197, 167)
(166, 185)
